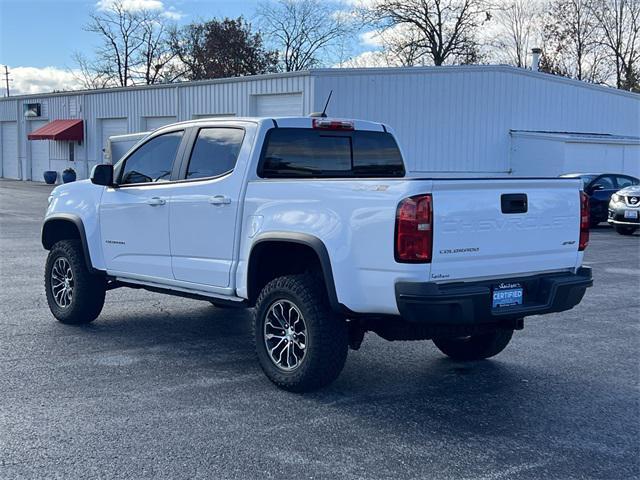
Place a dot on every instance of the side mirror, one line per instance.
(102, 174)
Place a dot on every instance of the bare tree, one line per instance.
(86, 73)
(303, 31)
(401, 46)
(446, 29)
(122, 38)
(570, 34)
(134, 46)
(619, 25)
(516, 26)
(155, 53)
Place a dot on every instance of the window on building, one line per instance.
(215, 152)
(298, 152)
(72, 151)
(153, 161)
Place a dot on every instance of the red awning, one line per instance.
(59, 130)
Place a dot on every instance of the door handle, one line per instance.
(155, 201)
(219, 200)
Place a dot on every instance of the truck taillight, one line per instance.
(414, 230)
(584, 221)
(328, 124)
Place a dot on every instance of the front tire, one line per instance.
(475, 347)
(75, 296)
(300, 342)
(624, 230)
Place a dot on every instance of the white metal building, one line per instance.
(488, 120)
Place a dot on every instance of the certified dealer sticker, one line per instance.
(507, 295)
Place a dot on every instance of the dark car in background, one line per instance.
(600, 187)
(624, 210)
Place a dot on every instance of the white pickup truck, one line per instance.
(313, 223)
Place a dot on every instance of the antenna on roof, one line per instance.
(323, 114)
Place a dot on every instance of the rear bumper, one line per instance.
(469, 303)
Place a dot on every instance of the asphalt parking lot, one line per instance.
(163, 387)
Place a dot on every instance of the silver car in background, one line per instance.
(624, 210)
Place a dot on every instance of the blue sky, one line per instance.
(42, 33)
(39, 37)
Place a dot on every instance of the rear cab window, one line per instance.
(311, 153)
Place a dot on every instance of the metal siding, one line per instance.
(459, 119)
(632, 159)
(8, 110)
(448, 119)
(58, 150)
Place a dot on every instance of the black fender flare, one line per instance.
(47, 243)
(317, 246)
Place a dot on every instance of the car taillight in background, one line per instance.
(328, 124)
(584, 221)
(414, 230)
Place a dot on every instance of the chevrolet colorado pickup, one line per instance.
(314, 224)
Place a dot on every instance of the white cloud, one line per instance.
(168, 12)
(367, 59)
(362, 3)
(172, 14)
(371, 39)
(28, 80)
(131, 5)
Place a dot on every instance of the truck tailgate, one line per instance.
(487, 228)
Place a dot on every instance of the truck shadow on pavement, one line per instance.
(404, 392)
(489, 397)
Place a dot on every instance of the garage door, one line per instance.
(280, 105)
(110, 127)
(9, 140)
(39, 152)
(152, 123)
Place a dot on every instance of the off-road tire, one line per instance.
(475, 347)
(624, 230)
(327, 342)
(88, 289)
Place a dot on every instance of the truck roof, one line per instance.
(288, 122)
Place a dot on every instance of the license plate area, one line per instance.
(507, 295)
(631, 214)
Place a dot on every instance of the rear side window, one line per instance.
(302, 152)
(153, 161)
(626, 181)
(215, 152)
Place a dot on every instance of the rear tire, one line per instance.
(475, 347)
(300, 342)
(75, 296)
(624, 230)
